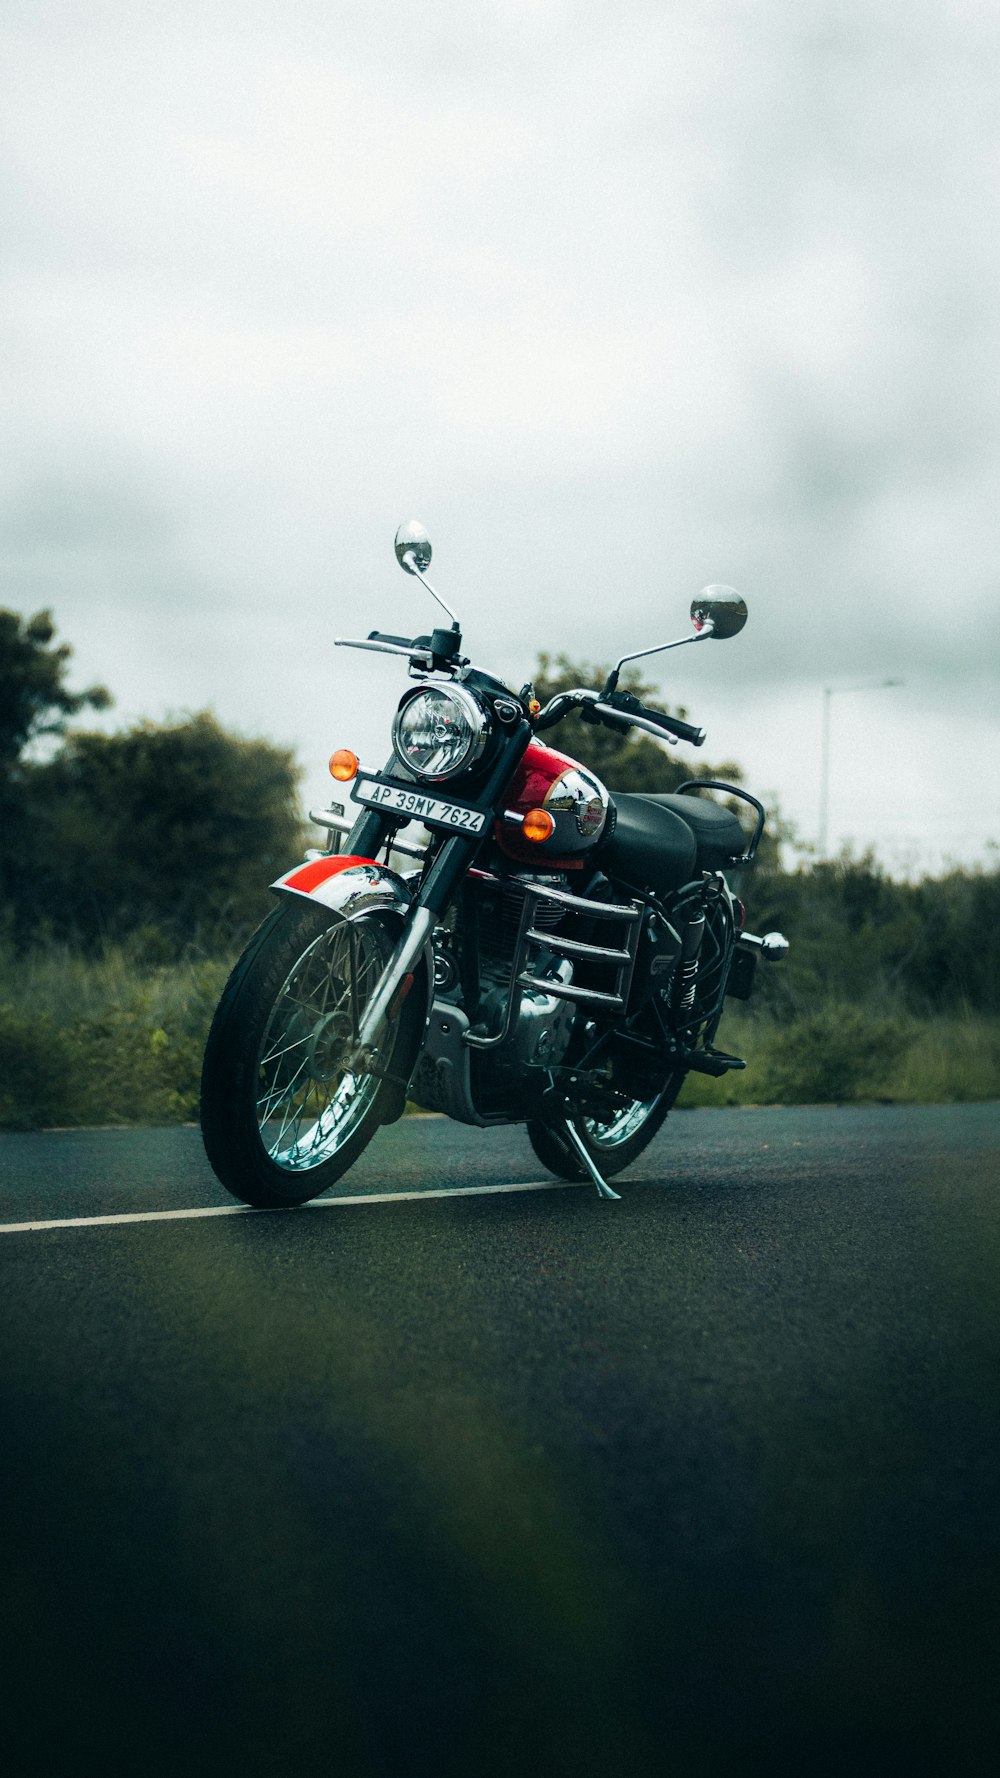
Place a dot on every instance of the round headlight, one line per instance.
(439, 731)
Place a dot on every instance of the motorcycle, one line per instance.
(549, 953)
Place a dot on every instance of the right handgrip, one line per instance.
(626, 705)
(685, 731)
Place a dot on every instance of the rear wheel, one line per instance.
(282, 1118)
(612, 1146)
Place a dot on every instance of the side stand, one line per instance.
(579, 1149)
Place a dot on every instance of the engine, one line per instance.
(473, 960)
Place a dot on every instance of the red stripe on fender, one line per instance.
(318, 870)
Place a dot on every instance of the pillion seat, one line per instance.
(718, 833)
(661, 842)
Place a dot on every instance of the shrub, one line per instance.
(36, 1067)
(833, 1054)
(127, 1071)
(170, 833)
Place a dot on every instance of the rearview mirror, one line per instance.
(722, 607)
(412, 540)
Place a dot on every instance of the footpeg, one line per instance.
(580, 1150)
(713, 1062)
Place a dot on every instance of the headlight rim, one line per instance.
(476, 714)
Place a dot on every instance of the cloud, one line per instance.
(619, 302)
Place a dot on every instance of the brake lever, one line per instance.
(421, 655)
(624, 720)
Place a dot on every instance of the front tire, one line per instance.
(281, 1119)
(612, 1146)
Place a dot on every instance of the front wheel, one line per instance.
(612, 1146)
(281, 1116)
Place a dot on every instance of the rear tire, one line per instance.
(281, 1119)
(612, 1147)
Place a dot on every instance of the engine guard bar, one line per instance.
(620, 958)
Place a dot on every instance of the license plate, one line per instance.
(418, 806)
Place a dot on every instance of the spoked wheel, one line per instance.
(282, 1116)
(612, 1146)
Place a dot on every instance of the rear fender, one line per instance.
(350, 887)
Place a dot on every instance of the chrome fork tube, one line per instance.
(418, 931)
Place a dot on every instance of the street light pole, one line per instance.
(824, 757)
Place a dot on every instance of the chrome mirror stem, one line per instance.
(661, 647)
(410, 561)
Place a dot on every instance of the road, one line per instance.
(700, 1482)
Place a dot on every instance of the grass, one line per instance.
(118, 1039)
(844, 1052)
(107, 1040)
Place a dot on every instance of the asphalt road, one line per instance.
(700, 1482)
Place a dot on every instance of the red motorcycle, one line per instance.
(557, 956)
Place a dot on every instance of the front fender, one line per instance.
(351, 887)
(347, 885)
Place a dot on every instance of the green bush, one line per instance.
(846, 1052)
(956, 1059)
(837, 1053)
(167, 832)
(127, 1071)
(36, 1071)
(102, 1040)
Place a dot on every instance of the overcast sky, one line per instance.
(618, 299)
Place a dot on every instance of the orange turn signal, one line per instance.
(538, 825)
(343, 764)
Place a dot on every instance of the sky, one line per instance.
(618, 300)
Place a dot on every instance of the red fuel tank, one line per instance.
(576, 800)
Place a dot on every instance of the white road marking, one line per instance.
(458, 1191)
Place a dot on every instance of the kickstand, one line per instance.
(578, 1147)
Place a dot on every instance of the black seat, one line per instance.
(718, 834)
(650, 847)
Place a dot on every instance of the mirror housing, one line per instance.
(412, 540)
(722, 607)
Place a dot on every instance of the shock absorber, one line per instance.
(687, 968)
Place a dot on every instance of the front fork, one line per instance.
(440, 882)
(416, 936)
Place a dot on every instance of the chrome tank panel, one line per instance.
(572, 794)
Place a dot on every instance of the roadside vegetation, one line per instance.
(134, 866)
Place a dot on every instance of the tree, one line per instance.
(179, 826)
(34, 699)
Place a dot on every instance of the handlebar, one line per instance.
(685, 731)
(397, 641)
(626, 704)
(619, 710)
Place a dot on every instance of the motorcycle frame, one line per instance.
(423, 908)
